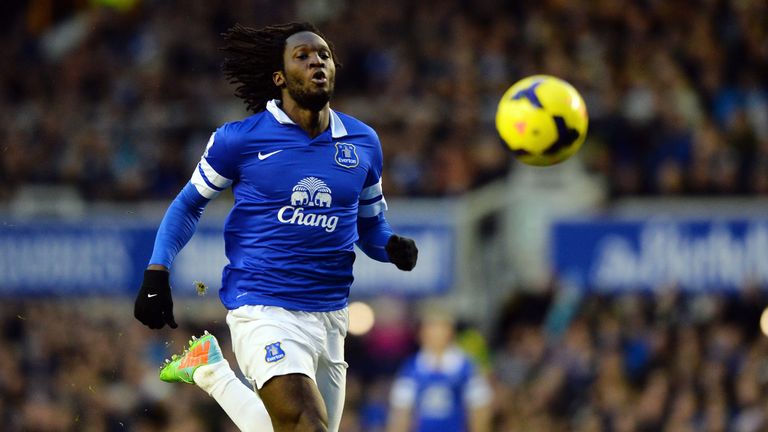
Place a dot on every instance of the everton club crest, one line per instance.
(274, 352)
(346, 155)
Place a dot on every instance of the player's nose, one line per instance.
(317, 60)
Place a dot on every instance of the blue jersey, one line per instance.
(300, 205)
(440, 393)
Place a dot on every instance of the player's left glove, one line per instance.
(402, 252)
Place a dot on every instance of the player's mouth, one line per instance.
(319, 78)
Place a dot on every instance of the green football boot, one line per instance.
(201, 351)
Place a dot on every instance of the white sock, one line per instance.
(241, 404)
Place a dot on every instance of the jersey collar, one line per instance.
(450, 362)
(337, 127)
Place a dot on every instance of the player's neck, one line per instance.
(438, 352)
(313, 122)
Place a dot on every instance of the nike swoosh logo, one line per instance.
(266, 155)
(151, 295)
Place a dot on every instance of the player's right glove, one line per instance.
(402, 252)
(154, 306)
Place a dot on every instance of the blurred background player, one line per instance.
(440, 388)
(307, 186)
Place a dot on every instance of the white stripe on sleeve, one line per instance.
(210, 143)
(372, 210)
(371, 191)
(477, 392)
(215, 178)
(403, 393)
(201, 186)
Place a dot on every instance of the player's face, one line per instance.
(436, 334)
(309, 71)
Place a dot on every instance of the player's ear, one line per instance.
(278, 78)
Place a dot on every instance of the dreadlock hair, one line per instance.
(253, 55)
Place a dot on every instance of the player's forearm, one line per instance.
(178, 226)
(399, 420)
(374, 234)
(480, 419)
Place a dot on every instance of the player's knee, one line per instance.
(294, 404)
(300, 417)
(314, 422)
(301, 421)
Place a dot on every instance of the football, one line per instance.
(543, 120)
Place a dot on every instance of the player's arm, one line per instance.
(399, 420)
(401, 401)
(378, 241)
(376, 238)
(154, 304)
(480, 418)
(477, 398)
(373, 229)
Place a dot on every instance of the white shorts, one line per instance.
(269, 341)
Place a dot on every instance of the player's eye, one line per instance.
(302, 56)
(325, 55)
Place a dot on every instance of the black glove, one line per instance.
(402, 252)
(154, 306)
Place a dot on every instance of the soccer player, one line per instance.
(307, 188)
(439, 389)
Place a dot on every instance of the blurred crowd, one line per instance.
(634, 363)
(118, 97)
(627, 363)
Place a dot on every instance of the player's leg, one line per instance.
(239, 401)
(295, 404)
(332, 369)
(331, 382)
(202, 364)
(278, 350)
